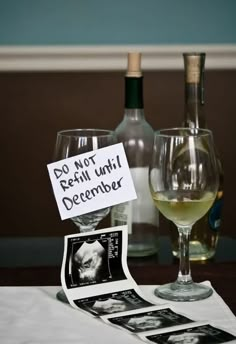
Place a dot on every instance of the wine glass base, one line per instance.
(61, 296)
(183, 292)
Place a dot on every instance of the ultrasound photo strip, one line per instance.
(93, 258)
(147, 319)
(94, 269)
(97, 261)
(112, 303)
(198, 333)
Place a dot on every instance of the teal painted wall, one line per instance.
(75, 22)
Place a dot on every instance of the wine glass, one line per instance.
(72, 142)
(78, 141)
(183, 180)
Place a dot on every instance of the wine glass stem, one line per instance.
(184, 275)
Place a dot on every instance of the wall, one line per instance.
(34, 106)
(105, 22)
(82, 92)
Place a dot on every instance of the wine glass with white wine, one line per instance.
(73, 142)
(183, 180)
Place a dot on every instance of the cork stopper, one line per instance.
(194, 63)
(134, 65)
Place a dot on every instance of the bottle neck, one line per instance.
(194, 106)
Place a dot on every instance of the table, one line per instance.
(221, 271)
(34, 315)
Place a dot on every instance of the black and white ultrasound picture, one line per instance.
(205, 334)
(152, 320)
(111, 303)
(94, 259)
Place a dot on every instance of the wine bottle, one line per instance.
(205, 232)
(137, 136)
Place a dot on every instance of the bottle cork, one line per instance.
(193, 66)
(134, 65)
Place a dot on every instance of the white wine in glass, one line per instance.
(183, 179)
(188, 208)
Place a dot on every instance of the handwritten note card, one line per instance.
(91, 181)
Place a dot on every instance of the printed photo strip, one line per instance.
(93, 259)
(147, 319)
(95, 272)
(111, 303)
(198, 334)
(96, 280)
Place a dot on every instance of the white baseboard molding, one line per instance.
(109, 58)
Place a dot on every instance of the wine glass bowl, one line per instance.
(183, 180)
(73, 142)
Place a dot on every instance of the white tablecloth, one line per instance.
(33, 315)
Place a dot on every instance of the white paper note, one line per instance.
(91, 181)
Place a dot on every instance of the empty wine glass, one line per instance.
(78, 141)
(183, 179)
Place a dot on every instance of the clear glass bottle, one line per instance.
(137, 136)
(205, 232)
